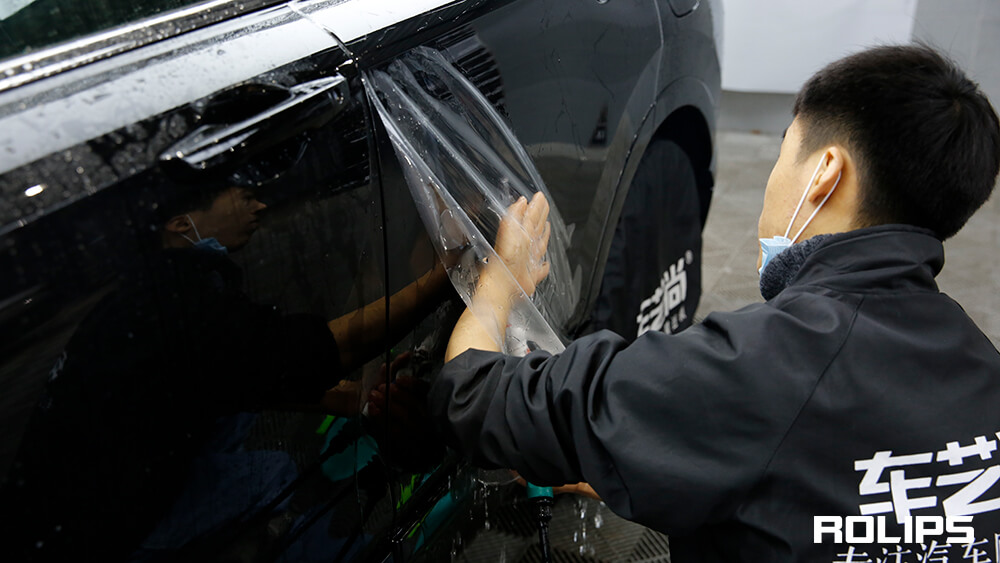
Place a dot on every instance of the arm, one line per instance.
(671, 431)
(362, 334)
(522, 240)
(521, 243)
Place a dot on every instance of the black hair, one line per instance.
(925, 139)
(185, 198)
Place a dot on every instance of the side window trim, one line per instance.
(48, 61)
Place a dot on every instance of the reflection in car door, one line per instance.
(191, 242)
(578, 82)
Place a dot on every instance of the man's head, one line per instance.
(911, 138)
(228, 215)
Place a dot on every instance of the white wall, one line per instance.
(776, 45)
(969, 31)
(772, 46)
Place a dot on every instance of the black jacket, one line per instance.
(734, 434)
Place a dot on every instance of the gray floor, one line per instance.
(971, 274)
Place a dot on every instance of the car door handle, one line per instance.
(302, 107)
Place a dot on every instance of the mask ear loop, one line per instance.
(797, 207)
(197, 234)
(828, 194)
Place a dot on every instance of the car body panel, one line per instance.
(588, 175)
(99, 98)
(585, 85)
(69, 251)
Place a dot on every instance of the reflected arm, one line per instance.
(362, 334)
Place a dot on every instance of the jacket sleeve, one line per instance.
(671, 430)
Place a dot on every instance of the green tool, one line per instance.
(542, 497)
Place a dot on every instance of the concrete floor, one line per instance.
(729, 278)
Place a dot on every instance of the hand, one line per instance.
(522, 240)
(407, 394)
(582, 489)
(344, 399)
(397, 417)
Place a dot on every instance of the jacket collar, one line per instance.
(883, 258)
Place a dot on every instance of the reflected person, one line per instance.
(156, 377)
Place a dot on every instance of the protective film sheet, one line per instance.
(465, 167)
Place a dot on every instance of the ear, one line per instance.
(837, 163)
(179, 224)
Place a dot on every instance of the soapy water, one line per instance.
(580, 537)
(465, 167)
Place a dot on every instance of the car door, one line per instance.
(574, 107)
(163, 396)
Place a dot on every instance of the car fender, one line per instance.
(684, 92)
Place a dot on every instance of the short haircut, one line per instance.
(185, 198)
(925, 139)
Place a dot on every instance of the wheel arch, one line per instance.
(684, 112)
(688, 127)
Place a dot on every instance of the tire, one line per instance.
(652, 278)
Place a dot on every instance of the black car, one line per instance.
(209, 255)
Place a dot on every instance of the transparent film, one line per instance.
(464, 168)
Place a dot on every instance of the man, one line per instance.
(856, 389)
(145, 414)
(155, 378)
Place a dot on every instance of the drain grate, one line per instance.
(652, 548)
(581, 531)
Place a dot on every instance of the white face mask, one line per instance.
(771, 247)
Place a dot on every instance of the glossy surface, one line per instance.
(218, 399)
